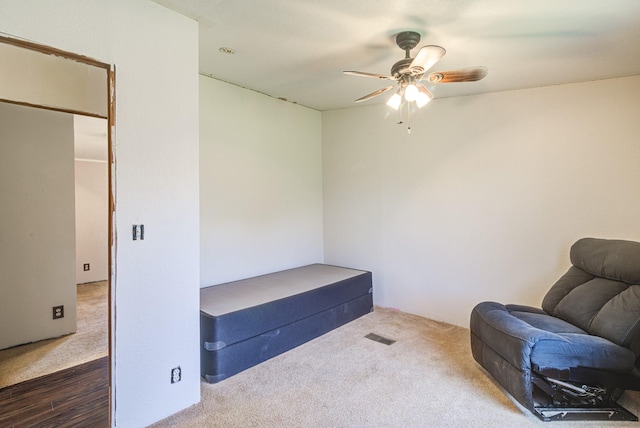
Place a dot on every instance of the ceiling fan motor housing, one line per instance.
(401, 67)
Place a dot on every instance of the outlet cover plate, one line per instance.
(176, 375)
(58, 312)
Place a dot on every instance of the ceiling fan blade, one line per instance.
(373, 94)
(471, 74)
(373, 75)
(426, 58)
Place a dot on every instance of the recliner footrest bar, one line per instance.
(611, 413)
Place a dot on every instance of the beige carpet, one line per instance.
(47, 356)
(428, 378)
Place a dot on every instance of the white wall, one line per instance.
(92, 220)
(260, 184)
(37, 231)
(155, 51)
(483, 200)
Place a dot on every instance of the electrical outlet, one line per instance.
(58, 312)
(176, 375)
(86, 267)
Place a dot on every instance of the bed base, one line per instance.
(233, 340)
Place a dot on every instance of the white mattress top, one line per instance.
(234, 296)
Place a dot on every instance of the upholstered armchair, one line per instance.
(574, 357)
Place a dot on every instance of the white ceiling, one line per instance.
(297, 49)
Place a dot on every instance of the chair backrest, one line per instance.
(601, 291)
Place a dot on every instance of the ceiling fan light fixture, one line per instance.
(423, 97)
(394, 101)
(411, 92)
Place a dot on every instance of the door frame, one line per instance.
(110, 88)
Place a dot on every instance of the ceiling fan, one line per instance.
(409, 72)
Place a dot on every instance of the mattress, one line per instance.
(245, 322)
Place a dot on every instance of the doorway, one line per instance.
(84, 93)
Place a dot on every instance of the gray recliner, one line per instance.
(574, 357)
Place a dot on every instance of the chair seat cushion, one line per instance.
(582, 350)
(528, 336)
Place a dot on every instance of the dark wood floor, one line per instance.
(75, 397)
